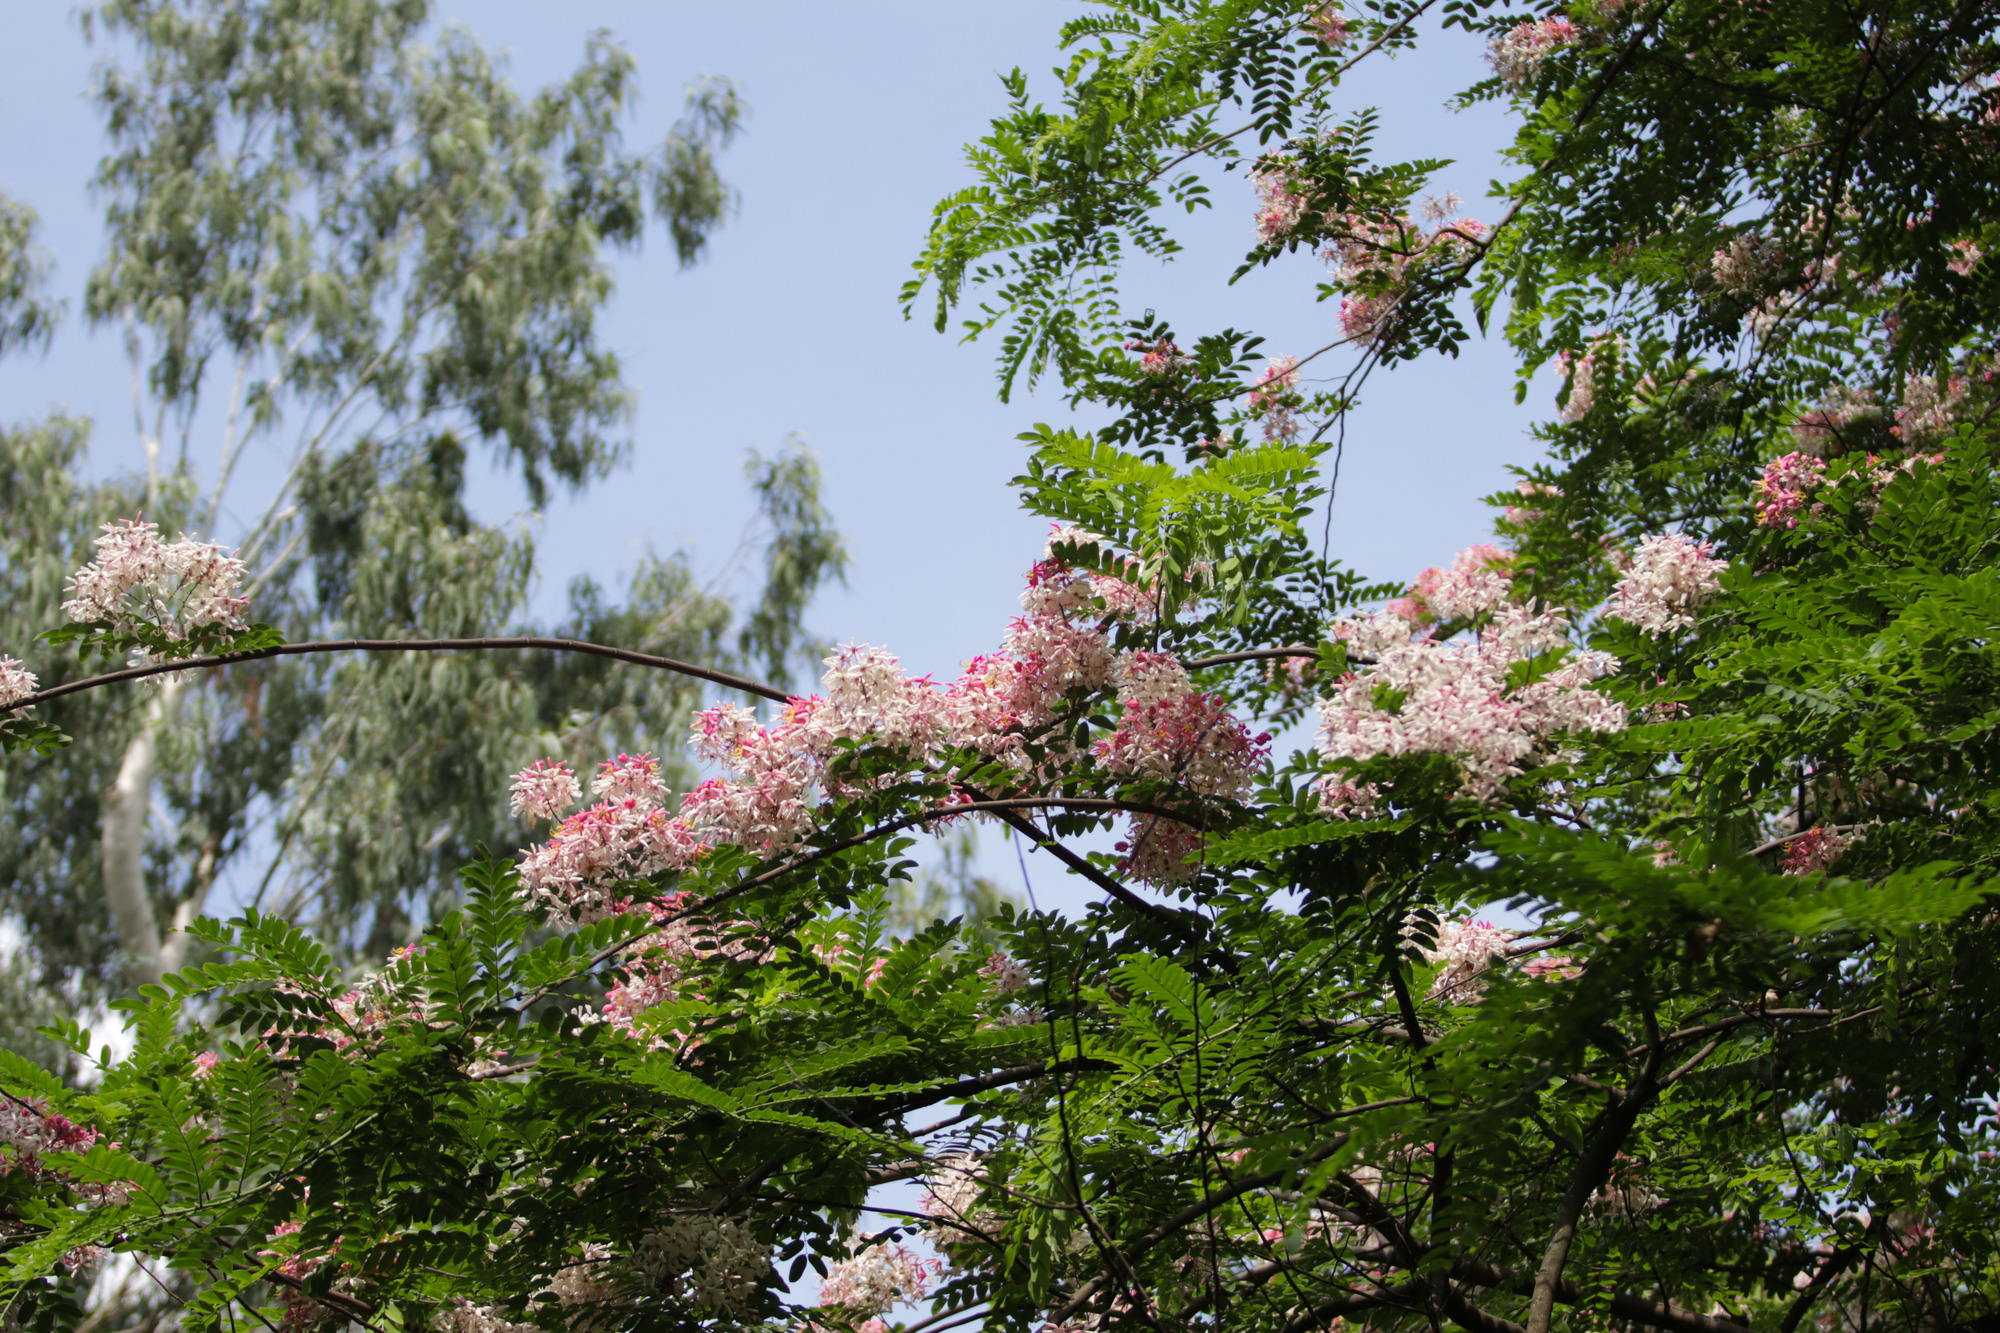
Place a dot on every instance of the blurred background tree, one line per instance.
(339, 239)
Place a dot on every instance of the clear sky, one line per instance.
(791, 324)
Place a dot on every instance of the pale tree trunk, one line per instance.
(127, 807)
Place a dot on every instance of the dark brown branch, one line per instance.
(1253, 655)
(722, 678)
(1620, 1115)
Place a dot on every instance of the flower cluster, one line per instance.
(1746, 262)
(1006, 975)
(1580, 371)
(1669, 578)
(1530, 509)
(778, 774)
(1280, 203)
(1378, 258)
(139, 581)
(16, 684)
(1928, 409)
(725, 1265)
(1783, 489)
(459, 1315)
(543, 790)
(1517, 54)
(1418, 694)
(37, 1141)
(1463, 951)
(1838, 422)
(1160, 358)
(1332, 27)
(878, 1278)
(1274, 397)
(1815, 850)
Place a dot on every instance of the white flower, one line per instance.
(1669, 579)
(16, 683)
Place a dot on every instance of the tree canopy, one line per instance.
(1713, 717)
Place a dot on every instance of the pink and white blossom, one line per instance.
(1280, 204)
(1006, 975)
(1417, 694)
(1517, 54)
(877, 1279)
(16, 684)
(1669, 579)
(1332, 27)
(1275, 398)
(136, 579)
(1784, 489)
(1463, 951)
(543, 790)
(1815, 850)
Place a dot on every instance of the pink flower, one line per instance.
(1530, 492)
(1552, 967)
(1275, 397)
(1466, 949)
(1745, 263)
(876, 1279)
(1416, 694)
(1006, 975)
(630, 775)
(1669, 579)
(1781, 493)
(1821, 429)
(1279, 204)
(1158, 358)
(543, 790)
(1330, 26)
(1814, 850)
(205, 1065)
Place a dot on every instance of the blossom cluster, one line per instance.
(37, 1141)
(1416, 693)
(1746, 262)
(777, 775)
(1280, 201)
(1462, 951)
(1667, 580)
(1784, 488)
(1332, 27)
(1006, 975)
(1929, 409)
(1378, 258)
(138, 581)
(1160, 358)
(722, 1263)
(16, 684)
(1531, 507)
(1835, 424)
(1274, 398)
(1517, 54)
(1580, 371)
(877, 1278)
(1814, 850)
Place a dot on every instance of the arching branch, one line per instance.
(722, 678)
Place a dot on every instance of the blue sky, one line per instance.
(792, 325)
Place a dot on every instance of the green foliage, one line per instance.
(1742, 1060)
